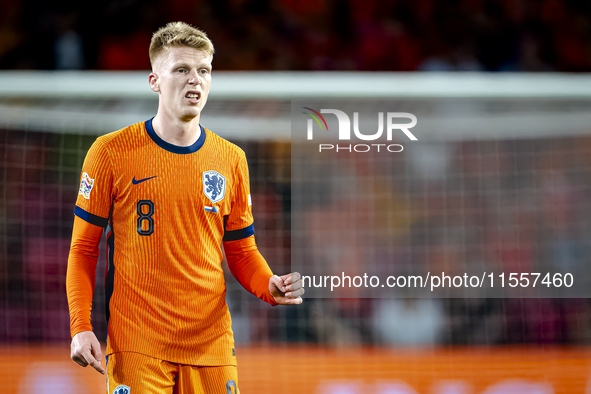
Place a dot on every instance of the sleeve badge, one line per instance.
(86, 185)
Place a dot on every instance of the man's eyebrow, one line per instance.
(181, 64)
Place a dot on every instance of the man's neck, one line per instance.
(176, 131)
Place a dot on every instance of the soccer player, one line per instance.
(169, 193)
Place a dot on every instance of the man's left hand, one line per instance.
(287, 289)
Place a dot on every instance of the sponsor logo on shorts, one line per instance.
(229, 385)
(122, 389)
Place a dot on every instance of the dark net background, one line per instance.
(492, 201)
(39, 184)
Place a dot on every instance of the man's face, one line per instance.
(182, 77)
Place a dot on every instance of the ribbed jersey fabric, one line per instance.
(166, 210)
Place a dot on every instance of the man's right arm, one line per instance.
(80, 281)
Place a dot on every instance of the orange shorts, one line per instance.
(135, 373)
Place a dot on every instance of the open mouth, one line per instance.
(193, 96)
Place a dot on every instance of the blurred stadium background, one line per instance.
(70, 73)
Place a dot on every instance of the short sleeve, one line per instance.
(239, 223)
(96, 185)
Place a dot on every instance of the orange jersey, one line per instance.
(166, 210)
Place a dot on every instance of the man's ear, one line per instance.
(154, 80)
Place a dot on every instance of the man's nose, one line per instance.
(194, 78)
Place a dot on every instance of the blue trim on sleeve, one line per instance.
(90, 218)
(235, 235)
(174, 148)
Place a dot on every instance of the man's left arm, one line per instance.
(252, 271)
(244, 259)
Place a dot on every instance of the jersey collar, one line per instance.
(174, 148)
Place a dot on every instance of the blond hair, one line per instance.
(179, 34)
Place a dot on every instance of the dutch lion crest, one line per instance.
(214, 186)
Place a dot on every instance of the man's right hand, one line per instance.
(86, 350)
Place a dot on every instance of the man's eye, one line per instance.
(182, 70)
(204, 71)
